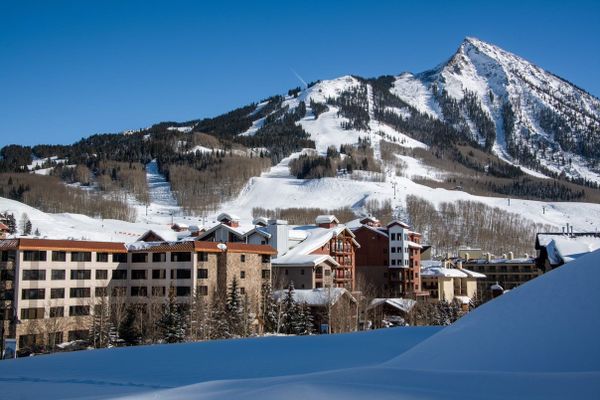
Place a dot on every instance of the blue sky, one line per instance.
(71, 69)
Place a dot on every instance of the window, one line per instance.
(34, 275)
(81, 274)
(266, 258)
(242, 274)
(138, 274)
(158, 291)
(243, 258)
(80, 334)
(139, 257)
(32, 313)
(159, 257)
(119, 257)
(57, 274)
(102, 257)
(33, 294)
(183, 291)
(202, 256)
(101, 274)
(302, 271)
(56, 312)
(34, 255)
(10, 255)
(30, 340)
(266, 274)
(181, 257)
(393, 236)
(119, 274)
(78, 311)
(119, 291)
(138, 291)
(57, 293)
(79, 293)
(327, 272)
(7, 275)
(101, 291)
(286, 271)
(393, 262)
(81, 256)
(184, 274)
(159, 274)
(59, 256)
(393, 249)
(203, 290)
(55, 337)
(242, 290)
(202, 273)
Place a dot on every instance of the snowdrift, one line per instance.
(538, 341)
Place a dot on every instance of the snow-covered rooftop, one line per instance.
(315, 297)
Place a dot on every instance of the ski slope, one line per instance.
(277, 189)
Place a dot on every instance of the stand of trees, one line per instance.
(471, 223)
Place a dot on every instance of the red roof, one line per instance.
(51, 244)
(3, 227)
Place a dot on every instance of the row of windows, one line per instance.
(38, 312)
(398, 236)
(76, 256)
(120, 274)
(55, 293)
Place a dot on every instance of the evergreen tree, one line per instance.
(171, 323)
(269, 309)
(37, 232)
(25, 224)
(305, 322)
(290, 316)
(234, 309)
(11, 223)
(218, 322)
(128, 331)
(101, 326)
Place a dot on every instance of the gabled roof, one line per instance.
(397, 222)
(309, 260)
(316, 297)
(236, 231)
(380, 231)
(441, 272)
(326, 219)
(261, 221)
(3, 227)
(150, 235)
(227, 217)
(404, 305)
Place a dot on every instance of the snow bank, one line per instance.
(116, 372)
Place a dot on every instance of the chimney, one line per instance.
(279, 231)
(511, 255)
(526, 255)
(567, 228)
(504, 256)
(467, 256)
(571, 230)
(488, 256)
(563, 230)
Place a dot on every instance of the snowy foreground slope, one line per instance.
(110, 373)
(538, 341)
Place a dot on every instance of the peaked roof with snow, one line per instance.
(442, 272)
(316, 297)
(404, 305)
(314, 238)
(326, 219)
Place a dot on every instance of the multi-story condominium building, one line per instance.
(310, 256)
(450, 282)
(507, 271)
(49, 288)
(388, 261)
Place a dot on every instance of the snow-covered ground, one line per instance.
(538, 341)
(162, 201)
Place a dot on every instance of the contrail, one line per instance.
(299, 77)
